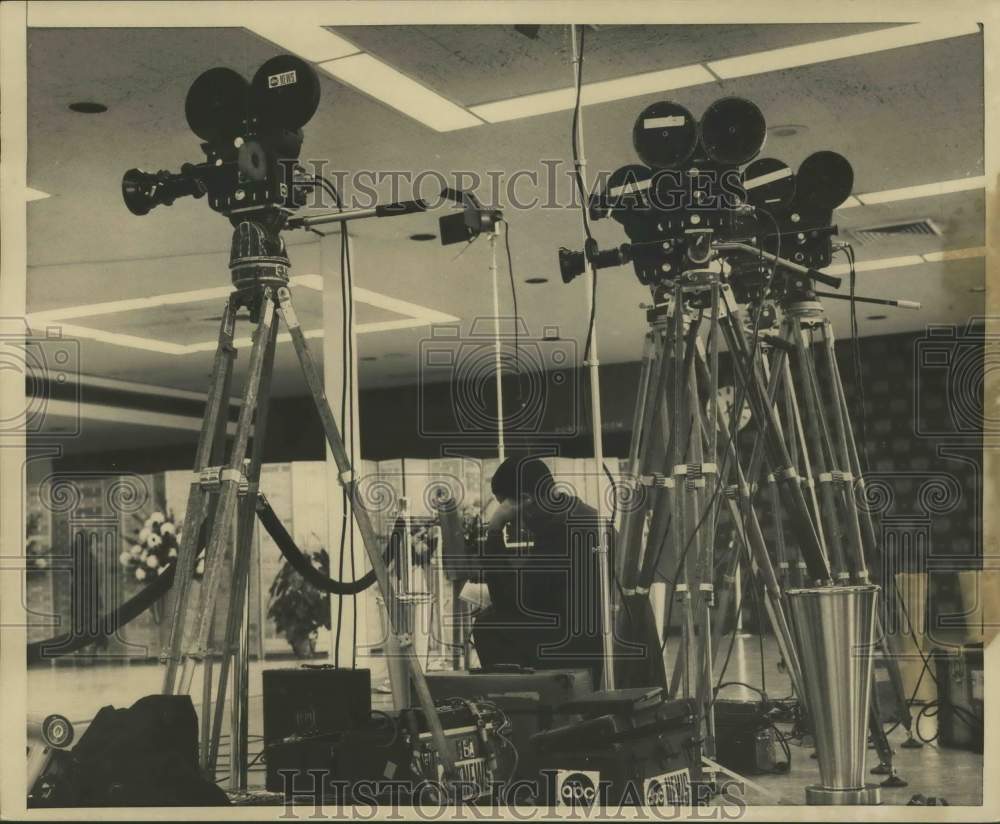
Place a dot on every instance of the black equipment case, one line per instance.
(644, 749)
(305, 705)
(530, 698)
(960, 693)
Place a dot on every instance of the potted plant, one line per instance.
(298, 609)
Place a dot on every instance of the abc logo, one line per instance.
(656, 793)
(578, 790)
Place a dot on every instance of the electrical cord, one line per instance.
(582, 191)
(513, 297)
(346, 414)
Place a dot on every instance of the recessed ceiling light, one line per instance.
(423, 236)
(877, 317)
(534, 281)
(786, 130)
(88, 107)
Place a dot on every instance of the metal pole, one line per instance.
(497, 343)
(607, 637)
(238, 745)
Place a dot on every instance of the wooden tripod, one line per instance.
(222, 492)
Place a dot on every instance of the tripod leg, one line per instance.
(242, 557)
(748, 528)
(841, 425)
(778, 454)
(216, 407)
(822, 450)
(230, 479)
(361, 515)
(644, 443)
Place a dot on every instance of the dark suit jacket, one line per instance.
(554, 585)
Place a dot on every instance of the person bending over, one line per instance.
(545, 598)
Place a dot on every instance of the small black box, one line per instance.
(961, 693)
(315, 700)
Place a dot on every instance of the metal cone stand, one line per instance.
(835, 631)
(259, 269)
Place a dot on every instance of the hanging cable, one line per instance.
(582, 189)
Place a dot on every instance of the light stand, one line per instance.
(593, 365)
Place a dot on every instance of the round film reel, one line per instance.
(824, 181)
(769, 183)
(216, 104)
(732, 131)
(664, 135)
(285, 92)
(627, 191)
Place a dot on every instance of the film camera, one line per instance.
(252, 135)
(697, 195)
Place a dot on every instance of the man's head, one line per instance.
(524, 484)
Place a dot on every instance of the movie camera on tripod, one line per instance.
(699, 197)
(252, 135)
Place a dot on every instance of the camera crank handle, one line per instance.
(899, 304)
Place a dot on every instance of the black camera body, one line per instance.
(258, 173)
(694, 191)
(252, 137)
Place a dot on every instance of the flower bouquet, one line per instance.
(153, 548)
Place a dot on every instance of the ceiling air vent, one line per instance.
(872, 234)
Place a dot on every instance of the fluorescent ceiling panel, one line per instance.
(308, 41)
(838, 48)
(955, 254)
(907, 260)
(603, 91)
(414, 315)
(384, 83)
(944, 187)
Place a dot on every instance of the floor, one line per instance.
(78, 692)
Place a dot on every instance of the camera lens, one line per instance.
(665, 135)
(137, 189)
(216, 104)
(732, 131)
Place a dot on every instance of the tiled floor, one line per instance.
(956, 775)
